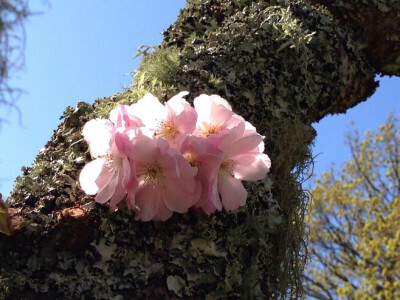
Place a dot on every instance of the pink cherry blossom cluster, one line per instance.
(164, 158)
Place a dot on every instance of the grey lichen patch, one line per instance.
(176, 284)
(376, 28)
(278, 57)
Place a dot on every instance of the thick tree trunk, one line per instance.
(283, 65)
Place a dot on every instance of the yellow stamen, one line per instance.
(210, 129)
(167, 130)
(227, 167)
(191, 159)
(152, 173)
(113, 161)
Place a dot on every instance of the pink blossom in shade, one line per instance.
(242, 160)
(166, 181)
(172, 121)
(110, 175)
(202, 154)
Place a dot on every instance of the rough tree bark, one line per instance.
(283, 65)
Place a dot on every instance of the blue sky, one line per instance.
(81, 50)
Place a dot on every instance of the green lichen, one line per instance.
(293, 59)
(381, 5)
(393, 68)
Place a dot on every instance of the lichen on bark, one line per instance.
(282, 65)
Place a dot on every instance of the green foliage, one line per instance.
(354, 222)
(157, 70)
(103, 106)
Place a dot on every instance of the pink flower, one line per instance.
(112, 174)
(202, 154)
(98, 134)
(162, 159)
(214, 116)
(243, 160)
(166, 180)
(121, 118)
(172, 121)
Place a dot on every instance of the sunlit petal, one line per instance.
(149, 110)
(89, 174)
(107, 183)
(98, 134)
(251, 166)
(243, 145)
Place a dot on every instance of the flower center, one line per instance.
(210, 129)
(167, 130)
(227, 167)
(191, 159)
(113, 161)
(152, 173)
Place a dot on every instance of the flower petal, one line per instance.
(232, 192)
(206, 201)
(178, 103)
(229, 137)
(107, 183)
(144, 148)
(251, 166)
(129, 180)
(98, 134)
(148, 201)
(149, 110)
(131, 200)
(180, 194)
(163, 213)
(212, 111)
(104, 194)
(215, 198)
(118, 196)
(89, 175)
(243, 145)
(121, 117)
